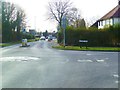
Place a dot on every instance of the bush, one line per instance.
(37, 39)
(28, 36)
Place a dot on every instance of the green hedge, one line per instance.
(28, 36)
(96, 37)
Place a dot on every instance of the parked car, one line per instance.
(50, 38)
(42, 38)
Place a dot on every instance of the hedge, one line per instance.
(96, 37)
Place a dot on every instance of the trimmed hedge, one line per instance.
(28, 36)
(95, 37)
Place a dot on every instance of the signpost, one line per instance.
(83, 43)
(64, 21)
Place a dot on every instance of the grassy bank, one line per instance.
(87, 49)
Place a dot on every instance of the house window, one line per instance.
(111, 22)
(104, 23)
(101, 23)
(107, 22)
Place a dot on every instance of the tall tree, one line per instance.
(20, 22)
(45, 33)
(7, 14)
(82, 23)
(12, 18)
(58, 9)
(73, 15)
(0, 13)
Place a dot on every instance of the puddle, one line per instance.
(25, 59)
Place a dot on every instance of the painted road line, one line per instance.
(88, 54)
(18, 58)
(116, 75)
(84, 61)
(100, 60)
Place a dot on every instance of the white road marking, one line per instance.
(116, 75)
(100, 60)
(88, 54)
(84, 60)
(18, 58)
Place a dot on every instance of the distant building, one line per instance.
(24, 31)
(110, 19)
(32, 32)
(38, 35)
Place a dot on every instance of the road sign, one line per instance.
(83, 40)
(83, 43)
(64, 22)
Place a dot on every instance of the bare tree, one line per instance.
(20, 22)
(58, 9)
(75, 19)
(73, 16)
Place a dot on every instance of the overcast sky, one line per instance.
(36, 11)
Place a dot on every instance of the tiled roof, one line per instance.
(114, 13)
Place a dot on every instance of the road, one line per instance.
(41, 66)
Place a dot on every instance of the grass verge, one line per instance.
(88, 48)
(13, 43)
(9, 44)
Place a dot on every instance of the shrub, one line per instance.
(28, 36)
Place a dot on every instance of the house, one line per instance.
(32, 32)
(110, 19)
(95, 24)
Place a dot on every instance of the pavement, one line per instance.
(41, 66)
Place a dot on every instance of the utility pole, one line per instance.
(64, 37)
